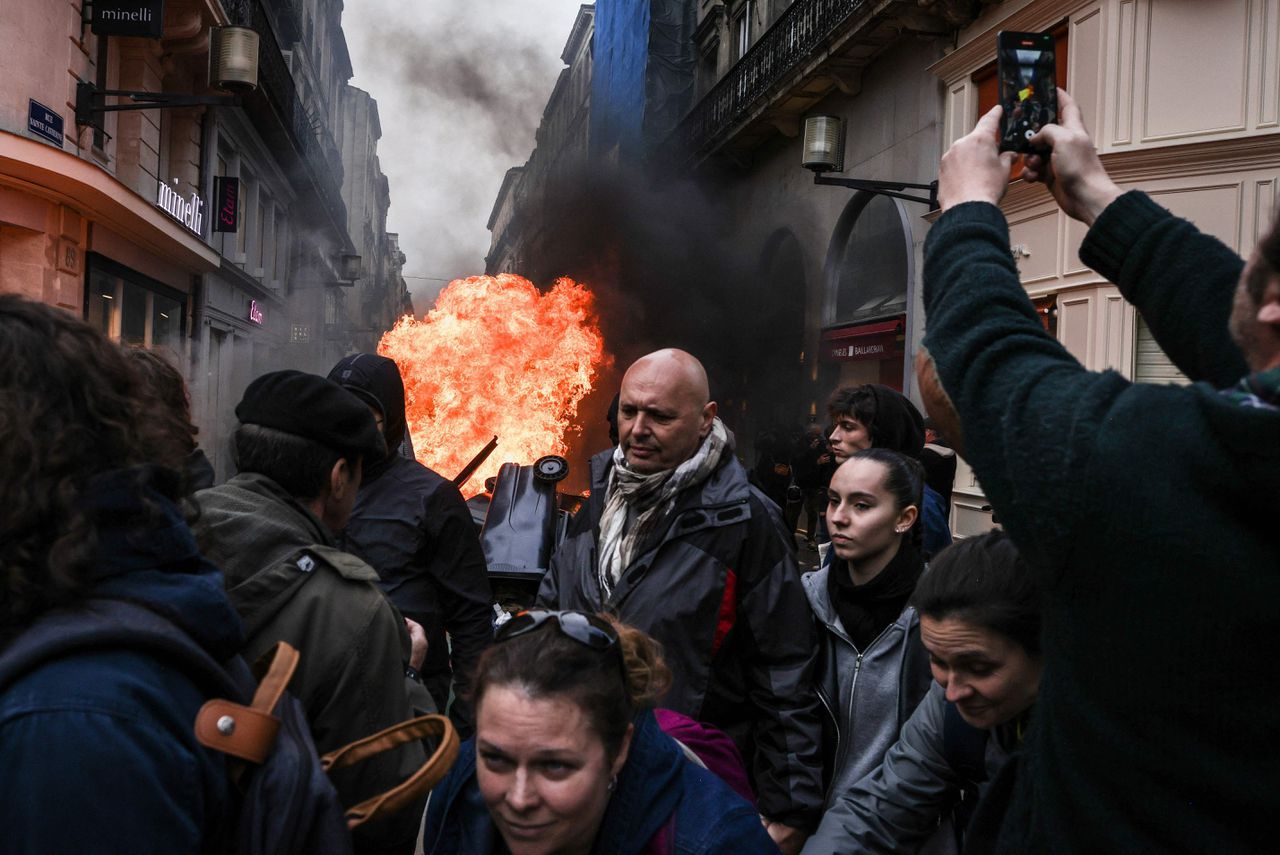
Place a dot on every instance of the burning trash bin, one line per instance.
(526, 520)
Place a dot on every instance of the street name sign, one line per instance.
(44, 122)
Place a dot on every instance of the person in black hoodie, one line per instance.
(412, 526)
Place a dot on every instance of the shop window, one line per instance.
(987, 81)
(874, 262)
(132, 308)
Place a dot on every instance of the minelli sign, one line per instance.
(143, 18)
(189, 212)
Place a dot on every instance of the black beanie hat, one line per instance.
(314, 408)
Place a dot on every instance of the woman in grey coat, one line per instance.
(873, 670)
(980, 620)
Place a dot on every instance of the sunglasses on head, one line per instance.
(581, 627)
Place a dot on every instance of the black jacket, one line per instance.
(412, 526)
(721, 592)
(1148, 514)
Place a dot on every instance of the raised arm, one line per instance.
(1180, 279)
(1028, 410)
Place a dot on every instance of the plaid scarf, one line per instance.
(650, 499)
(1260, 390)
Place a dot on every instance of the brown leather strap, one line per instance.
(249, 732)
(284, 661)
(418, 784)
(236, 730)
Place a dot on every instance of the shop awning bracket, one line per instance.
(91, 101)
(885, 188)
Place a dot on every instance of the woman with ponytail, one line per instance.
(872, 670)
(568, 756)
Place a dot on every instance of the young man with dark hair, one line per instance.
(875, 416)
(300, 449)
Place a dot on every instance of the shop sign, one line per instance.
(44, 122)
(226, 195)
(255, 314)
(189, 212)
(143, 18)
(883, 340)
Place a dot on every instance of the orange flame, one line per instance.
(496, 356)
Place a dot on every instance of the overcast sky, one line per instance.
(460, 86)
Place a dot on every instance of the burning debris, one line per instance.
(496, 356)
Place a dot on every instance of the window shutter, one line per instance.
(1150, 363)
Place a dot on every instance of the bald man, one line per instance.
(676, 542)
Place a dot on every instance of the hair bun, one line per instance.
(647, 675)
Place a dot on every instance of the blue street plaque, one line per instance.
(44, 123)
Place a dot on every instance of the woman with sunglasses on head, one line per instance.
(568, 757)
(872, 669)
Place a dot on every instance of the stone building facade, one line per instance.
(537, 202)
(218, 233)
(788, 289)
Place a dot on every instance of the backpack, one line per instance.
(285, 802)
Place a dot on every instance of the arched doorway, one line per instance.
(867, 291)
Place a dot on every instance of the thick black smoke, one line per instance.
(670, 269)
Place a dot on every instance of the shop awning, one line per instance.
(879, 340)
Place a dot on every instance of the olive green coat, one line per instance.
(289, 583)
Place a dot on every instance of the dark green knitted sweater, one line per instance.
(1152, 514)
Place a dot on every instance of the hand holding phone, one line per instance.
(1026, 70)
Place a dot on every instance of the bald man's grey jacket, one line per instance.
(718, 586)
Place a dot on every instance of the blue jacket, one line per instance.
(656, 781)
(97, 749)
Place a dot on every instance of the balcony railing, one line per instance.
(791, 40)
(314, 143)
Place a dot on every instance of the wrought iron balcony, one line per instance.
(311, 140)
(793, 39)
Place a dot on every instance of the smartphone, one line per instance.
(1025, 65)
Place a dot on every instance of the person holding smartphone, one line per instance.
(1158, 560)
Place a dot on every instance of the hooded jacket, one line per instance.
(867, 695)
(413, 527)
(715, 589)
(98, 748)
(657, 789)
(289, 583)
(1148, 514)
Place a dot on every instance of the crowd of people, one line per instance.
(1090, 678)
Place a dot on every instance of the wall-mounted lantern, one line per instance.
(824, 152)
(233, 66)
(349, 267)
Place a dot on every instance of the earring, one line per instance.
(613, 785)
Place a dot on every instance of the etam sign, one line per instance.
(143, 18)
(189, 212)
